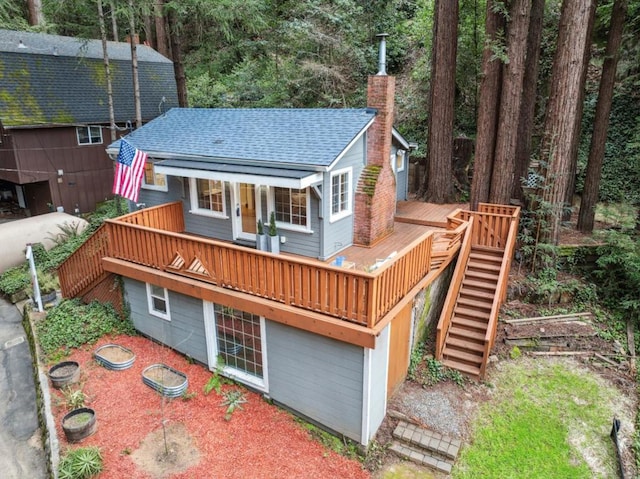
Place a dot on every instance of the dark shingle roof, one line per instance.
(304, 137)
(61, 80)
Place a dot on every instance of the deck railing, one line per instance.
(454, 289)
(152, 238)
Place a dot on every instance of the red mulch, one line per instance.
(260, 441)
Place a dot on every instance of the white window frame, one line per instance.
(211, 333)
(155, 187)
(152, 310)
(349, 209)
(289, 226)
(196, 210)
(403, 153)
(88, 130)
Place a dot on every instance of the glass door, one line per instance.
(246, 211)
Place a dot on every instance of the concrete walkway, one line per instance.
(21, 452)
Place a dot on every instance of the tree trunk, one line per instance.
(601, 121)
(489, 105)
(35, 12)
(134, 64)
(502, 180)
(161, 32)
(562, 111)
(148, 22)
(439, 181)
(528, 106)
(571, 187)
(176, 55)
(114, 21)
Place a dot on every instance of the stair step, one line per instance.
(487, 276)
(465, 344)
(480, 316)
(483, 285)
(480, 295)
(487, 257)
(474, 303)
(487, 250)
(427, 439)
(464, 368)
(474, 264)
(466, 333)
(418, 456)
(451, 353)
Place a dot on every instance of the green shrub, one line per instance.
(72, 324)
(81, 463)
(14, 280)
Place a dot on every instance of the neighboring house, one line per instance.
(54, 116)
(326, 327)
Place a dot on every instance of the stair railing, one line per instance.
(454, 290)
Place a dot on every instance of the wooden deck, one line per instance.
(427, 214)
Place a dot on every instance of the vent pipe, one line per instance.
(382, 55)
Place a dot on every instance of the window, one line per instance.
(340, 194)
(89, 135)
(400, 157)
(207, 197)
(152, 180)
(158, 300)
(290, 206)
(239, 341)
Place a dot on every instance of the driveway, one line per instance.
(20, 444)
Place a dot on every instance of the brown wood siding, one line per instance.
(87, 170)
(107, 291)
(399, 349)
(8, 160)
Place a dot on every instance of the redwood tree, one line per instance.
(529, 90)
(438, 184)
(562, 110)
(502, 178)
(601, 121)
(489, 104)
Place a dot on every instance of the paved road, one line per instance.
(21, 453)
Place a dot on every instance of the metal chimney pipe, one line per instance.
(382, 55)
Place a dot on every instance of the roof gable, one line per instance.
(307, 138)
(55, 80)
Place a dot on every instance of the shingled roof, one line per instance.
(308, 138)
(56, 80)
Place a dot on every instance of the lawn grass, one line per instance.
(545, 420)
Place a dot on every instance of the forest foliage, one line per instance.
(318, 53)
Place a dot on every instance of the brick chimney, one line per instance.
(375, 196)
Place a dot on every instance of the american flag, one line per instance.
(129, 171)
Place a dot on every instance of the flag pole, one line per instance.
(34, 279)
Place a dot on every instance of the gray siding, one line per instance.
(154, 197)
(318, 377)
(218, 228)
(339, 235)
(185, 331)
(379, 359)
(305, 244)
(402, 177)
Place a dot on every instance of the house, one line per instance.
(54, 116)
(324, 326)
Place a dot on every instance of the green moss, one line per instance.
(370, 176)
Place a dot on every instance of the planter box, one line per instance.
(114, 356)
(79, 423)
(166, 380)
(64, 373)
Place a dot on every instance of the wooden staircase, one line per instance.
(464, 346)
(467, 326)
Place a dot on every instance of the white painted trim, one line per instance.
(297, 183)
(386, 369)
(366, 396)
(349, 211)
(155, 187)
(271, 206)
(154, 312)
(193, 197)
(210, 334)
(88, 128)
(399, 138)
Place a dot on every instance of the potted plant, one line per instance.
(261, 242)
(274, 240)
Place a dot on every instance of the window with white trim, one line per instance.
(340, 194)
(207, 197)
(152, 180)
(291, 206)
(400, 157)
(89, 135)
(158, 300)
